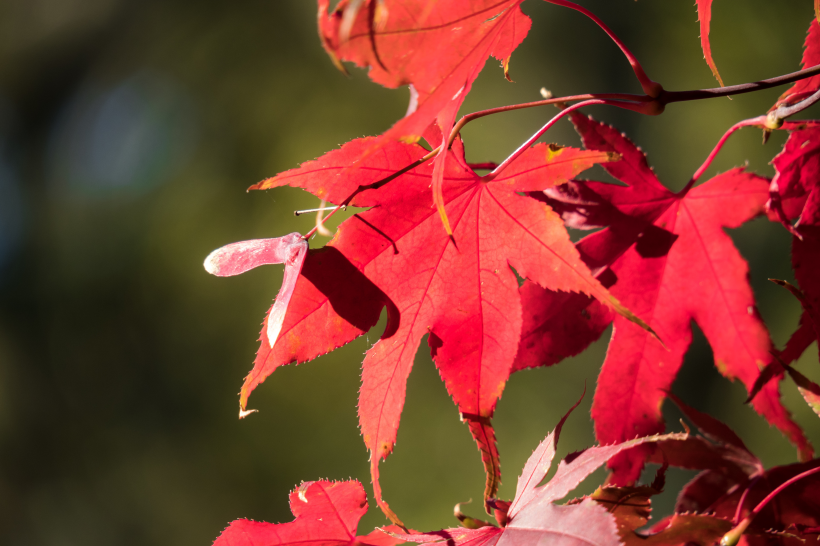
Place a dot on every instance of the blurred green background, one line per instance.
(129, 131)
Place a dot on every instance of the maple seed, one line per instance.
(237, 258)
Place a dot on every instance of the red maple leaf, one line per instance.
(436, 47)
(326, 514)
(534, 518)
(464, 295)
(667, 256)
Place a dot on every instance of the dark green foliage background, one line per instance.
(120, 358)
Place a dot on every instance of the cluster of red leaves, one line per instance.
(731, 484)
(657, 261)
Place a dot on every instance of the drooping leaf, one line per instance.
(668, 256)
(326, 514)
(237, 258)
(705, 19)
(436, 47)
(464, 296)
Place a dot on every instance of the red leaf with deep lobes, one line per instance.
(326, 514)
(237, 258)
(670, 259)
(465, 297)
(438, 48)
(811, 57)
(705, 19)
(534, 518)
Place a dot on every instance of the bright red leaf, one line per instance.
(326, 514)
(464, 296)
(705, 19)
(668, 257)
(437, 47)
(534, 518)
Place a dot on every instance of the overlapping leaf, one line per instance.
(326, 514)
(667, 255)
(437, 47)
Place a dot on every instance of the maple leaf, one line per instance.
(811, 57)
(705, 19)
(464, 297)
(326, 514)
(436, 47)
(667, 256)
(534, 518)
